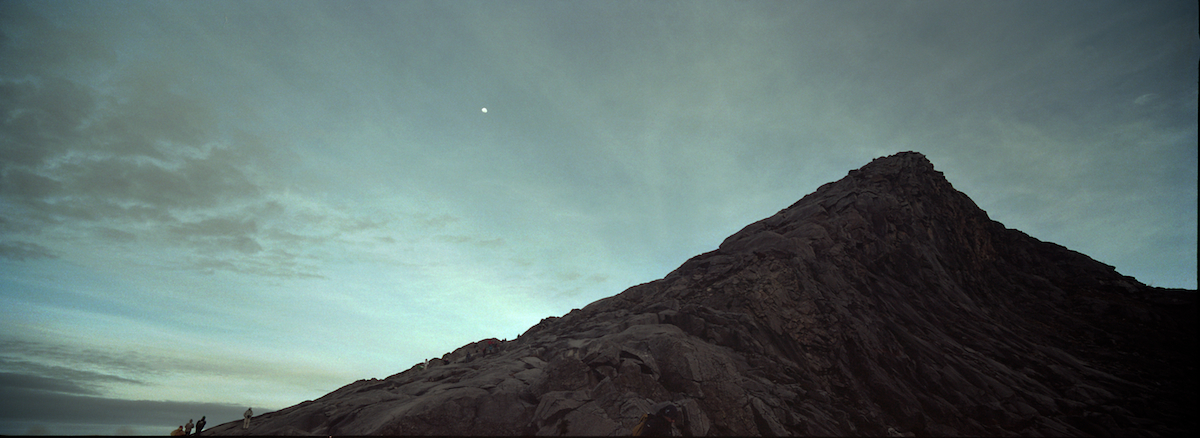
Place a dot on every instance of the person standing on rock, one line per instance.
(200, 425)
(246, 418)
(187, 428)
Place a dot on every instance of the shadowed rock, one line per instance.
(886, 303)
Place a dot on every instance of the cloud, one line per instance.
(143, 164)
(15, 381)
(438, 222)
(25, 251)
(65, 157)
(36, 392)
(25, 405)
(470, 240)
(122, 154)
(43, 377)
(166, 372)
(113, 235)
(57, 361)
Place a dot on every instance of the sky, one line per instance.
(207, 206)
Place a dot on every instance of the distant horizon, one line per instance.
(231, 204)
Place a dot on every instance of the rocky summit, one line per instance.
(885, 303)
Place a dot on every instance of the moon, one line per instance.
(484, 110)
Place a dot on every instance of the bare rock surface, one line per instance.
(886, 303)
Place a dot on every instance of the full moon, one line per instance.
(484, 110)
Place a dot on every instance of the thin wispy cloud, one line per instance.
(150, 170)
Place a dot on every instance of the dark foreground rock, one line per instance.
(886, 303)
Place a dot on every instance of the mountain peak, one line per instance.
(907, 161)
(896, 197)
(885, 303)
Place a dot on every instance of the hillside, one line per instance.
(883, 303)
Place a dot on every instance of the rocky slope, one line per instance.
(884, 303)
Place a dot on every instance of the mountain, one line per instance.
(885, 303)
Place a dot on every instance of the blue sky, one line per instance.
(212, 205)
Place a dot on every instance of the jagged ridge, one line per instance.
(885, 300)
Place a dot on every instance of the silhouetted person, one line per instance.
(200, 425)
(187, 428)
(246, 418)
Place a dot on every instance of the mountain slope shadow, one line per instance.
(885, 303)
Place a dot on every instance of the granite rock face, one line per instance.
(886, 303)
